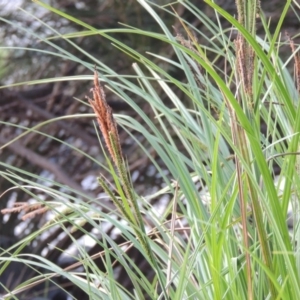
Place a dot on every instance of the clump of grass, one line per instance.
(127, 203)
(221, 115)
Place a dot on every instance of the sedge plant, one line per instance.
(223, 233)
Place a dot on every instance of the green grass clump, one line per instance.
(223, 234)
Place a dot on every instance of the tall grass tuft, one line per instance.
(223, 233)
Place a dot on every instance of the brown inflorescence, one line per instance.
(105, 118)
(30, 210)
(296, 62)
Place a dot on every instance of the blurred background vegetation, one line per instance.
(28, 105)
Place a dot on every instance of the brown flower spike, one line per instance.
(127, 204)
(30, 210)
(105, 119)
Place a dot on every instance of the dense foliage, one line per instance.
(197, 166)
